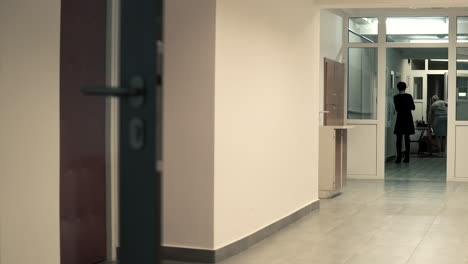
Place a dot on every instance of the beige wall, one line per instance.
(29, 134)
(266, 113)
(240, 129)
(189, 123)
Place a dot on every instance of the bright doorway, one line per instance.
(425, 72)
(368, 36)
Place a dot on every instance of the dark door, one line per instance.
(140, 182)
(139, 136)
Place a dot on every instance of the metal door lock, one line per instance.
(136, 133)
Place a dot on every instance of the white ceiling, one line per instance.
(399, 11)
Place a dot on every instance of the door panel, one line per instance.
(140, 182)
(461, 166)
(446, 86)
(362, 151)
(334, 93)
(418, 113)
(418, 88)
(140, 78)
(82, 133)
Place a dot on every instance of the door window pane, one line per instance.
(462, 29)
(418, 87)
(363, 30)
(418, 64)
(362, 83)
(438, 64)
(417, 29)
(462, 84)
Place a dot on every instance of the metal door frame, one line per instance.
(133, 237)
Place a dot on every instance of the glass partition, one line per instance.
(438, 64)
(418, 88)
(417, 29)
(462, 29)
(363, 30)
(418, 64)
(462, 84)
(362, 83)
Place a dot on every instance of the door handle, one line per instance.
(109, 91)
(136, 87)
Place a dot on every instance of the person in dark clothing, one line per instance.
(404, 123)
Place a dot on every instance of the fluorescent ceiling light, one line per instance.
(447, 60)
(416, 25)
(462, 94)
(428, 41)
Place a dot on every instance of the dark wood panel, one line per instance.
(82, 132)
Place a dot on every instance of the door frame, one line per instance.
(382, 46)
(112, 128)
(440, 73)
(424, 93)
(424, 75)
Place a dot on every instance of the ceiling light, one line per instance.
(429, 41)
(459, 60)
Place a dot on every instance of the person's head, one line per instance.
(401, 86)
(435, 98)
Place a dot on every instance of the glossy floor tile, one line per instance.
(375, 221)
(420, 167)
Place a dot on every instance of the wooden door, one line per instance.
(334, 86)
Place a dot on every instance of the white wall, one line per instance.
(331, 45)
(266, 121)
(240, 129)
(29, 134)
(188, 135)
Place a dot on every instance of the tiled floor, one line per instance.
(420, 168)
(375, 222)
